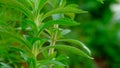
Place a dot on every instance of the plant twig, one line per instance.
(53, 42)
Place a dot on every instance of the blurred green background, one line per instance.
(99, 29)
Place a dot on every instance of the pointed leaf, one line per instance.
(26, 3)
(70, 49)
(62, 3)
(60, 22)
(65, 31)
(101, 1)
(66, 9)
(79, 43)
(41, 4)
(4, 65)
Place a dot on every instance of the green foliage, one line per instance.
(63, 10)
(60, 22)
(79, 43)
(33, 37)
(100, 1)
(70, 49)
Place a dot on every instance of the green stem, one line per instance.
(35, 48)
(53, 42)
(37, 22)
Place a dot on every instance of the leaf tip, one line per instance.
(101, 1)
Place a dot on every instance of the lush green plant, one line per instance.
(32, 34)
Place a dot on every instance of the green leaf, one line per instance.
(28, 23)
(29, 2)
(66, 9)
(29, 59)
(54, 3)
(17, 5)
(101, 1)
(57, 16)
(70, 49)
(23, 55)
(26, 3)
(48, 62)
(42, 41)
(64, 59)
(4, 65)
(52, 55)
(70, 15)
(62, 3)
(65, 31)
(31, 63)
(73, 5)
(26, 43)
(38, 5)
(57, 3)
(63, 21)
(41, 4)
(78, 43)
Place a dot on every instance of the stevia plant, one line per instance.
(32, 34)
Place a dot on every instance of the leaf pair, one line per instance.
(63, 21)
(63, 10)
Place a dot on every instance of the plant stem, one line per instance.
(35, 47)
(53, 42)
(36, 20)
